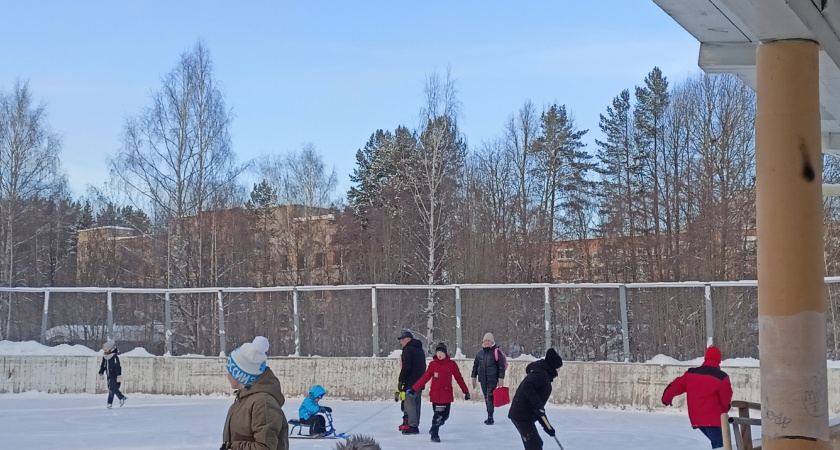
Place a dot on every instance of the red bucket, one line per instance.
(501, 396)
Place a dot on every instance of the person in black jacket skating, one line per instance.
(489, 370)
(112, 369)
(413, 366)
(528, 405)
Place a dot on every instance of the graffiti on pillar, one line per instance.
(779, 419)
(814, 398)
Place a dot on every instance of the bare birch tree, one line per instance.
(29, 170)
(176, 158)
(488, 227)
(175, 162)
(301, 178)
(521, 131)
(723, 140)
(432, 177)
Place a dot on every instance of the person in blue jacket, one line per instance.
(310, 409)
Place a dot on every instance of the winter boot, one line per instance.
(434, 432)
(411, 430)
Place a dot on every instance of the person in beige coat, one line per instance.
(255, 420)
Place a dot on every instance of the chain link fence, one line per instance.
(586, 322)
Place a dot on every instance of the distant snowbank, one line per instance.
(732, 362)
(9, 348)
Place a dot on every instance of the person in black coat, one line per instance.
(413, 366)
(111, 368)
(528, 404)
(489, 370)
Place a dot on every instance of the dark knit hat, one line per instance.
(441, 348)
(553, 359)
(405, 334)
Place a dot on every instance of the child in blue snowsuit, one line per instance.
(310, 408)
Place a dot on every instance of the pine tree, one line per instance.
(621, 173)
(372, 170)
(561, 170)
(262, 196)
(649, 117)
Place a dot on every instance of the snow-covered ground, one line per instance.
(35, 420)
(80, 421)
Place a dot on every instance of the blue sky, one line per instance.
(330, 72)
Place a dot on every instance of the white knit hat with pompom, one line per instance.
(247, 362)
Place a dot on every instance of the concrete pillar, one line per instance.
(374, 312)
(167, 324)
(547, 296)
(110, 315)
(222, 333)
(791, 289)
(459, 338)
(625, 323)
(45, 317)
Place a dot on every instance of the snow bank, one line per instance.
(35, 348)
(139, 351)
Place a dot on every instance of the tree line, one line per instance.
(667, 194)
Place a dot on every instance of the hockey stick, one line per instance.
(547, 426)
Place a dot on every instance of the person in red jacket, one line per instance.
(708, 394)
(440, 371)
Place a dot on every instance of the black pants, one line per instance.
(529, 434)
(487, 390)
(317, 424)
(441, 411)
(114, 389)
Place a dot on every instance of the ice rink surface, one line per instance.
(81, 421)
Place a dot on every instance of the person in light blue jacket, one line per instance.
(310, 409)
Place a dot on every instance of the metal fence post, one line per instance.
(222, 340)
(374, 313)
(167, 313)
(297, 320)
(110, 316)
(458, 338)
(625, 326)
(710, 317)
(547, 292)
(44, 318)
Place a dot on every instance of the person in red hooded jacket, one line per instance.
(440, 371)
(708, 394)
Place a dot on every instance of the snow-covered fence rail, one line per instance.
(587, 322)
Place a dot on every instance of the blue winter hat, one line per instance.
(317, 391)
(247, 362)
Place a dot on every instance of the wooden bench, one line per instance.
(741, 426)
